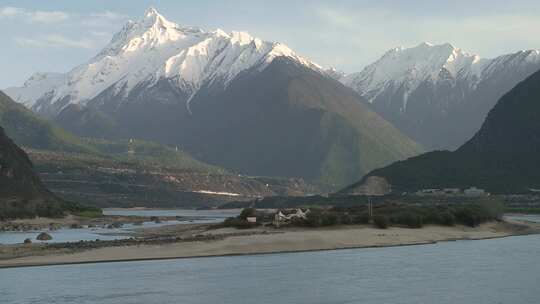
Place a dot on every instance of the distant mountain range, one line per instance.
(502, 157)
(231, 100)
(438, 94)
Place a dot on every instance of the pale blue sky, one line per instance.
(55, 36)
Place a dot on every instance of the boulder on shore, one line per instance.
(44, 237)
(115, 225)
(27, 241)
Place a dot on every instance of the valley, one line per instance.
(107, 182)
(151, 141)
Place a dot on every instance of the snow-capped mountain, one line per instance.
(36, 86)
(439, 94)
(334, 73)
(406, 69)
(233, 100)
(149, 50)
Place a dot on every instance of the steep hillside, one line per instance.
(294, 122)
(30, 131)
(502, 157)
(27, 129)
(21, 192)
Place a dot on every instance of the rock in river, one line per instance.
(44, 237)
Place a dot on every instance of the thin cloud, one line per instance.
(48, 17)
(372, 31)
(103, 18)
(8, 11)
(33, 16)
(109, 15)
(55, 41)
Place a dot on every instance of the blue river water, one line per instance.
(90, 234)
(487, 271)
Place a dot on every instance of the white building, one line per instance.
(473, 191)
(280, 217)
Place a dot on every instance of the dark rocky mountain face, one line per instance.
(16, 175)
(287, 120)
(21, 192)
(502, 157)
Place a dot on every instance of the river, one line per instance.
(126, 231)
(502, 270)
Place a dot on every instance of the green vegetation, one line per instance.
(29, 209)
(247, 212)
(381, 221)
(238, 223)
(524, 210)
(241, 221)
(405, 215)
(88, 212)
(28, 130)
(149, 154)
(353, 139)
(24, 208)
(386, 215)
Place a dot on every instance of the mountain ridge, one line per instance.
(230, 100)
(151, 49)
(502, 157)
(439, 94)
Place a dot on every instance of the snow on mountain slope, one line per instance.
(37, 85)
(334, 73)
(154, 48)
(406, 68)
(439, 94)
(510, 61)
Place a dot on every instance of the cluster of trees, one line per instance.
(14, 209)
(29, 209)
(469, 214)
(241, 221)
(386, 215)
(318, 217)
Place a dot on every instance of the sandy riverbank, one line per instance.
(259, 241)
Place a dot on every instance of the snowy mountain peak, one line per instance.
(151, 12)
(39, 78)
(153, 18)
(335, 73)
(153, 48)
(438, 94)
(406, 68)
(34, 87)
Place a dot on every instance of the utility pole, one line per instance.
(370, 208)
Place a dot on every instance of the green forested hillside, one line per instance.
(28, 130)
